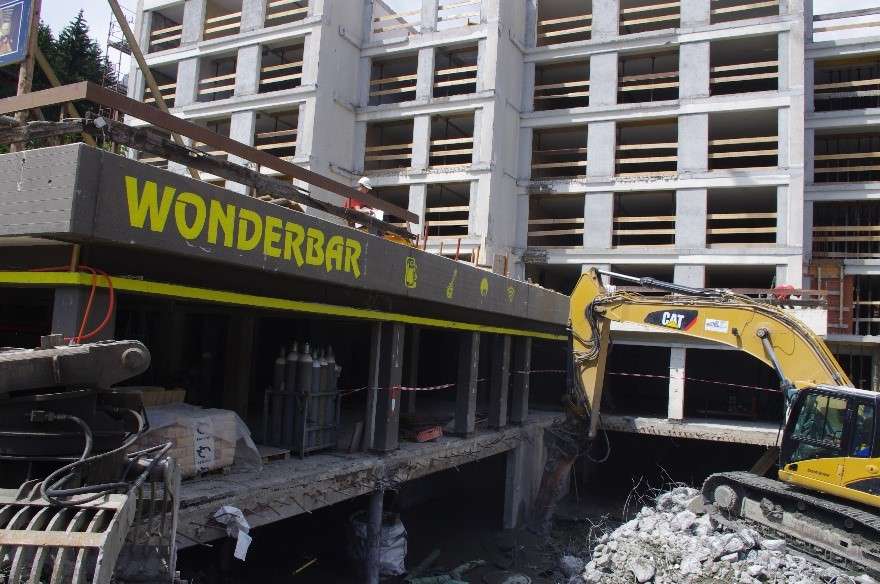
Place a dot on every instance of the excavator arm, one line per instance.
(800, 358)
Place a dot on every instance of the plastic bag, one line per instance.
(392, 543)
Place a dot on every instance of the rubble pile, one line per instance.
(678, 540)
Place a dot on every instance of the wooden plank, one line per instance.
(839, 228)
(450, 223)
(556, 232)
(846, 14)
(846, 26)
(161, 31)
(388, 147)
(846, 169)
(857, 83)
(282, 14)
(744, 153)
(384, 80)
(212, 30)
(847, 156)
(270, 68)
(454, 70)
(650, 8)
(744, 66)
(458, 16)
(388, 157)
(458, 152)
(745, 7)
(845, 94)
(457, 209)
(565, 19)
(455, 82)
(668, 18)
(216, 79)
(176, 37)
(408, 89)
(647, 159)
(276, 134)
(275, 146)
(564, 95)
(655, 146)
(643, 231)
(850, 238)
(396, 15)
(280, 78)
(645, 219)
(556, 151)
(560, 164)
(729, 230)
(753, 140)
(451, 141)
(650, 86)
(731, 216)
(555, 221)
(563, 85)
(566, 32)
(647, 76)
(751, 77)
(220, 89)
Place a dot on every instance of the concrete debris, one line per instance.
(571, 566)
(680, 540)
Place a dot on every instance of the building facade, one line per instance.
(722, 143)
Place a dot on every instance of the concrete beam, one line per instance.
(466, 390)
(499, 383)
(522, 364)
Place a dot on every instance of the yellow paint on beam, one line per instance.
(18, 278)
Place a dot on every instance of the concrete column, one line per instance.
(413, 334)
(187, 82)
(528, 90)
(499, 383)
(316, 7)
(693, 143)
(695, 13)
(603, 79)
(253, 15)
(421, 141)
(787, 142)
(136, 82)
(466, 390)
(809, 153)
(693, 70)
(513, 486)
(425, 80)
(601, 144)
(241, 128)
(530, 37)
(691, 209)
(807, 232)
(429, 15)
(374, 537)
(676, 383)
(598, 220)
(365, 72)
(875, 370)
(69, 307)
(522, 364)
(809, 85)
(689, 275)
(418, 200)
(783, 211)
(193, 24)
(372, 385)
(247, 70)
(390, 377)
(606, 14)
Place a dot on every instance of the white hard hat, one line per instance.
(365, 182)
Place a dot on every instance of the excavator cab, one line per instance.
(832, 444)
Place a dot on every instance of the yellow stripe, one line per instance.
(235, 298)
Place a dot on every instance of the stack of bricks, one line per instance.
(829, 275)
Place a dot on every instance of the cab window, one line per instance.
(863, 431)
(819, 428)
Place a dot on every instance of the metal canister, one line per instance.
(331, 397)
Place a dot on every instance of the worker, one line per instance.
(364, 186)
(863, 437)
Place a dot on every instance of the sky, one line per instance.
(57, 13)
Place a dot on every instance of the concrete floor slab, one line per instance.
(741, 432)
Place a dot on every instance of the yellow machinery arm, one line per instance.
(800, 358)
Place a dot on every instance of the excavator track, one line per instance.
(844, 535)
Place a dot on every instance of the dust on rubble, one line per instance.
(678, 540)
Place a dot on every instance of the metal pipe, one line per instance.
(654, 283)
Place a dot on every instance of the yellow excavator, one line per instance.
(827, 498)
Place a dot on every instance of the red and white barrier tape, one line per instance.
(737, 385)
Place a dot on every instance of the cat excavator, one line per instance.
(826, 500)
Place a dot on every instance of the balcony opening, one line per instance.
(647, 148)
(559, 153)
(275, 132)
(562, 85)
(637, 381)
(166, 29)
(457, 14)
(857, 362)
(455, 70)
(742, 278)
(219, 126)
(644, 220)
(846, 230)
(152, 159)
(744, 65)
(222, 18)
(389, 145)
(738, 141)
(651, 77)
(217, 78)
(280, 12)
(847, 84)
(393, 80)
(564, 21)
(741, 217)
(847, 158)
(731, 10)
(556, 221)
(452, 140)
(447, 212)
(638, 16)
(281, 67)
(395, 21)
(396, 195)
(166, 79)
(866, 305)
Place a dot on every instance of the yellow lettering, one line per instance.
(247, 242)
(273, 236)
(314, 247)
(193, 230)
(352, 257)
(333, 254)
(142, 203)
(220, 217)
(294, 235)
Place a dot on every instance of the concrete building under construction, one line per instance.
(720, 143)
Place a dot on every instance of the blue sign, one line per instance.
(15, 28)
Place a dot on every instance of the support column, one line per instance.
(691, 208)
(675, 409)
(425, 74)
(247, 70)
(241, 128)
(522, 364)
(70, 305)
(136, 81)
(253, 15)
(418, 200)
(693, 143)
(598, 220)
(500, 381)
(193, 24)
(421, 141)
(603, 81)
(390, 376)
(466, 390)
(606, 23)
(187, 82)
(372, 385)
(693, 70)
(414, 334)
(429, 15)
(374, 536)
(601, 140)
(875, 370)
(694, 13)
(513, 487)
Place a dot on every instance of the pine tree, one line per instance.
(77, 56)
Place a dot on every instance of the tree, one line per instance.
(77, 56)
